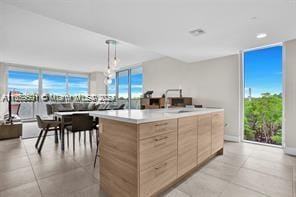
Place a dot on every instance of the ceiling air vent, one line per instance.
(197, 32)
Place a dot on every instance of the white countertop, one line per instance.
(150, 115)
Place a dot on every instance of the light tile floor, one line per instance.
(245, 170)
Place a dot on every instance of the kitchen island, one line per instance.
(144, 152)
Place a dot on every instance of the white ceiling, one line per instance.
(163, 26)
(30, 39)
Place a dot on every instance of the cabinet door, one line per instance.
(187, 144)
(204, 136)
(158, 176)
(217, 131)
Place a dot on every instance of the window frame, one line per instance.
(40, 72)
(129, 69)
(242, 94)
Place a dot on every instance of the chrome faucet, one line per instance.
(166, 97)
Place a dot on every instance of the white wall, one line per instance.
(96, 83)
(164, 73)
(290, 96)
(213, 83)
(216, 84)
(3, 86)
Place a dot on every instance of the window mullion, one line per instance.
(117, 85)
(67, 83)
(129, 88)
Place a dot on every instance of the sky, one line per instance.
(263, 71)
(27, 83)
(136, 84)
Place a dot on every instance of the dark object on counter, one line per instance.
(158, 102)
(148, 94)
(198, 106)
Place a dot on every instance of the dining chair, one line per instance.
(45, 126)
(80, 122)
(97, 142)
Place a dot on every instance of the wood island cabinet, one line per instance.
(187, 144)
(204, 136)
(139, 160)
(217, 131)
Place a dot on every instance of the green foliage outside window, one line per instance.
(263, 119)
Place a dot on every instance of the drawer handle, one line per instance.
(159, 167)
(161, 124)
(160, 139)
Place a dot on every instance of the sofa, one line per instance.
(67, 107)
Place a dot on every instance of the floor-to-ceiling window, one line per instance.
(43, 82)
(263, 95)
(77, 85)
(24, 82)
(127, 86)
(136, 85)
(123, 88)
(54, 83)
(112, 88)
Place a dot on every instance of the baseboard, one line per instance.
(231, 138)
(290, 151)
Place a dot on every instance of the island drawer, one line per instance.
(154, 149)
(157, 128)
(158, 176)
(217, 131)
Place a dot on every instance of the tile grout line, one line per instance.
(37, 180)
(33, 169)
(260, 172)
(251, 189)
(264, 173)
(1, 190)
(228, 181)
(240, 167)
(85, 166)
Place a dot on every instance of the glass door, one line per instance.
(263, 95)
(123, 88)
(127, 87)
(136, 86)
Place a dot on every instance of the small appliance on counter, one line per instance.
(148, 94)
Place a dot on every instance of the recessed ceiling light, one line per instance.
(197, 32)
(261, 35)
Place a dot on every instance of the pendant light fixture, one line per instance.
(110, 70)
(115, 56)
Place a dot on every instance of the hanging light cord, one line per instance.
(108, 55)
(115, 53)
